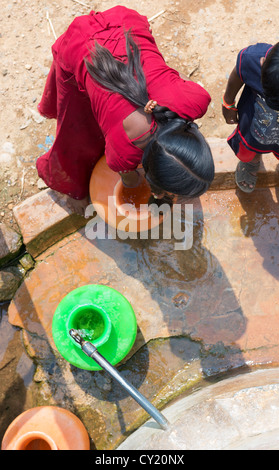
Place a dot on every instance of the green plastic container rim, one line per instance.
(120, 329)
(95, 312)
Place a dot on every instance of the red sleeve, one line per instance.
(121, 154)
(191, 99)
(188, 99)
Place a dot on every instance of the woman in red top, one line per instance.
(112, 93)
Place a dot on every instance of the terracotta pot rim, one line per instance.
(26, 438)
(134, 213)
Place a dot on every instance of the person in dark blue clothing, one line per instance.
(257, 111)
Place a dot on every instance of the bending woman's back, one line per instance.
(91, 102)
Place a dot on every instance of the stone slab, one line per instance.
(46, 218)
(222, 290)
(225, 163)
(220, 296)
(10, 244)
(240, 413)
(49, 216)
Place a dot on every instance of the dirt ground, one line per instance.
(200, 39)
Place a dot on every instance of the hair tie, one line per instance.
(150, 105)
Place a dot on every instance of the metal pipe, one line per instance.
(90, 350)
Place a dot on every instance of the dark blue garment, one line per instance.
(258, 127)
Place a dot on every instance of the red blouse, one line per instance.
(90, 118)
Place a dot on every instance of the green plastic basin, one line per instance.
(102, 316)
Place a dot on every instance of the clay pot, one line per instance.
(46, 428)
(119, 206)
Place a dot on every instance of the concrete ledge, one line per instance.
(46, 218)
(239, 413)
(49, 216)
(225, 165)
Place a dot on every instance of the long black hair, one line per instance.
(178, 158)
(270, 78)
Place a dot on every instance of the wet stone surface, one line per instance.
(220, 297)
(201, 312)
